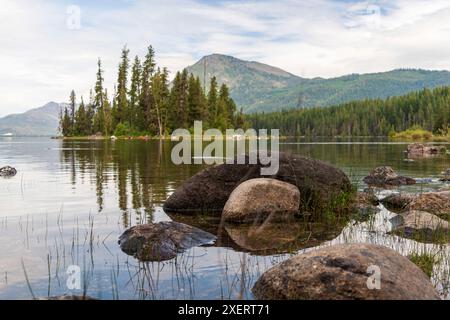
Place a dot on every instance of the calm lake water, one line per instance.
(71, 200)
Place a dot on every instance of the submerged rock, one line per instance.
(7, 171)
(445, 175)
(420, 149)
(262, 198)
(437, 203)
(280, 237)
(208, 191)
(162, 241)
(386, 176)
(422, 225)
(366, 203)
(342, 272)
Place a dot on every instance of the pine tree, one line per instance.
(81, 120)
(135, 92)
(196, 100)
(228, 107)
(121, 94)
(65, 123)
(146, 99)
(212, 101)
(73, 102)
(160, 93)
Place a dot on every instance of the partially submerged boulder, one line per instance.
(262, 198)
(320, 184)
(437, 203)
(423, 226)
(366, 203)
(386, 176)
(342, 272)
(398, 202)
(162, 241)
(420, 149)
(445, 175)
(7, 171)
(290, 235)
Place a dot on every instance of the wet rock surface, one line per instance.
(398, 202)
(445, 176)
(366, 203)
(423, 226)
(437, 203)
(208, 191)
(386, 176)
(262, 198)
(341, 272)
(162, 241)
(8, 171)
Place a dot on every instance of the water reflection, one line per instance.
(71, 200)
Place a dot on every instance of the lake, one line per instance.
(71, 200)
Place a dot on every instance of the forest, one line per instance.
(145, 102)
(427, 109)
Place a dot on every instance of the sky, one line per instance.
(49, 47)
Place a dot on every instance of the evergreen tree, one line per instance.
(135, 92)
(65, 123)
(160, 93)
(146, 99)
(195, 100)
(212, 101)
(81, 120)
(121, 93)
(73, 102)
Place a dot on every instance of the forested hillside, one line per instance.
(429, 109)
(258, 87)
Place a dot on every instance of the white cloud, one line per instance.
(42, 60)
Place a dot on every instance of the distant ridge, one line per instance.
(42, 121)
(258, 87)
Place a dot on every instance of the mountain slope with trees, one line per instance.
(258, 87)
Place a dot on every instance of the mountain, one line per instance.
(42, 121)
(257, 87)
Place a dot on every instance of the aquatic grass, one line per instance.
(425, 261)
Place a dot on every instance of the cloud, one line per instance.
(42, 59)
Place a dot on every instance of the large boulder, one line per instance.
(437, 203)
(7, 171)
(420, 149)
(342, 272)
(386, 176)
(162, 241)
(320, 184)
(261, 198)
(421, 225)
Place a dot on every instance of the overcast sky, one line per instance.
(45, 52)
